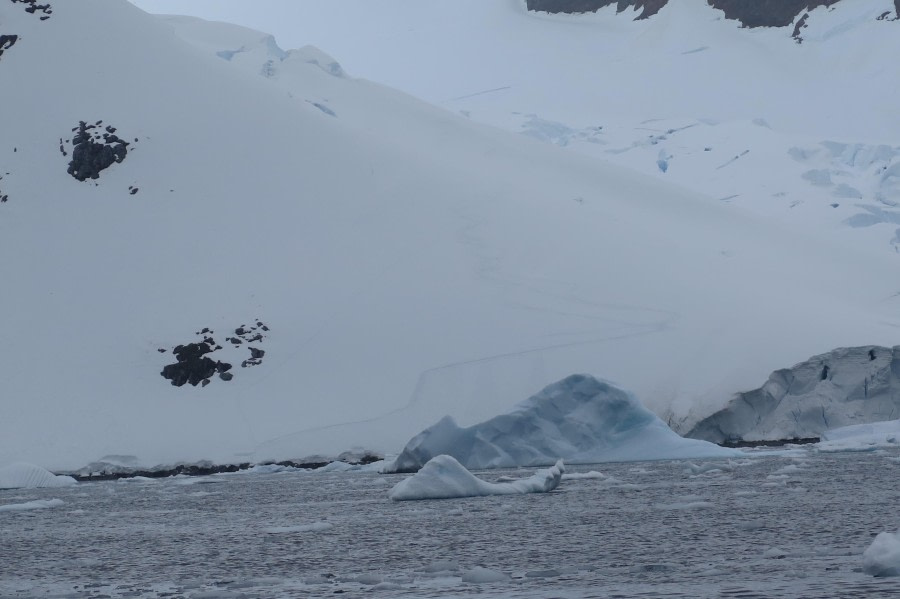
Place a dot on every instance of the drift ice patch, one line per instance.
(94, 149)
(194, 366)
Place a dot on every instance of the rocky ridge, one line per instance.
(760, 13)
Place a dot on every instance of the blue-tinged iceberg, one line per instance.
(579, 419)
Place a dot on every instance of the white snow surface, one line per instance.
(443, 477)
(882, 557)
(580, 419)
(37, 504)
(21, 475)
(746, 116)
(410, 262)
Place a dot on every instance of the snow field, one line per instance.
(345, 214)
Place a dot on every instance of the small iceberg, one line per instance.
(580, 419)
(882, 557)
(444, 478)
(38, 504)
(28, 476)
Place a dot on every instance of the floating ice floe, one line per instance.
(579, 419)
(444, 478)
(481, 575)
(882, 557)
(39, 504)
(312, 527)
(861, 437)
(28, 476)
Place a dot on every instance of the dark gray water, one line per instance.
(766, 527)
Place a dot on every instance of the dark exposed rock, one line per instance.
(750, 13)
(33, 7)
(93, 152)
(778, 443)
(192, 367)
(7, 42)
(648, 7)
(202, 469)
(105, 471)
(801, 24)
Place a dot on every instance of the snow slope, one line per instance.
(795, 123)
(442, 477)
(579, 419)
(393, 262)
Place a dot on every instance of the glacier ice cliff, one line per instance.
(846, 386)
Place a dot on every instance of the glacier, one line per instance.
(580, 419)
(443, 477)
(844, 387)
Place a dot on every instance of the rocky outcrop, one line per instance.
(758, 13)
(94, 150)
(7, 42)
(193, 365)
(648, 8)
(846, 386)
(31, 6)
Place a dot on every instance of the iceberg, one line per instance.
(445, 478)
(28, 476)
(882, 557)
(580, 419)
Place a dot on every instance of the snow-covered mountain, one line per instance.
(357, 262)
(795, 122)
